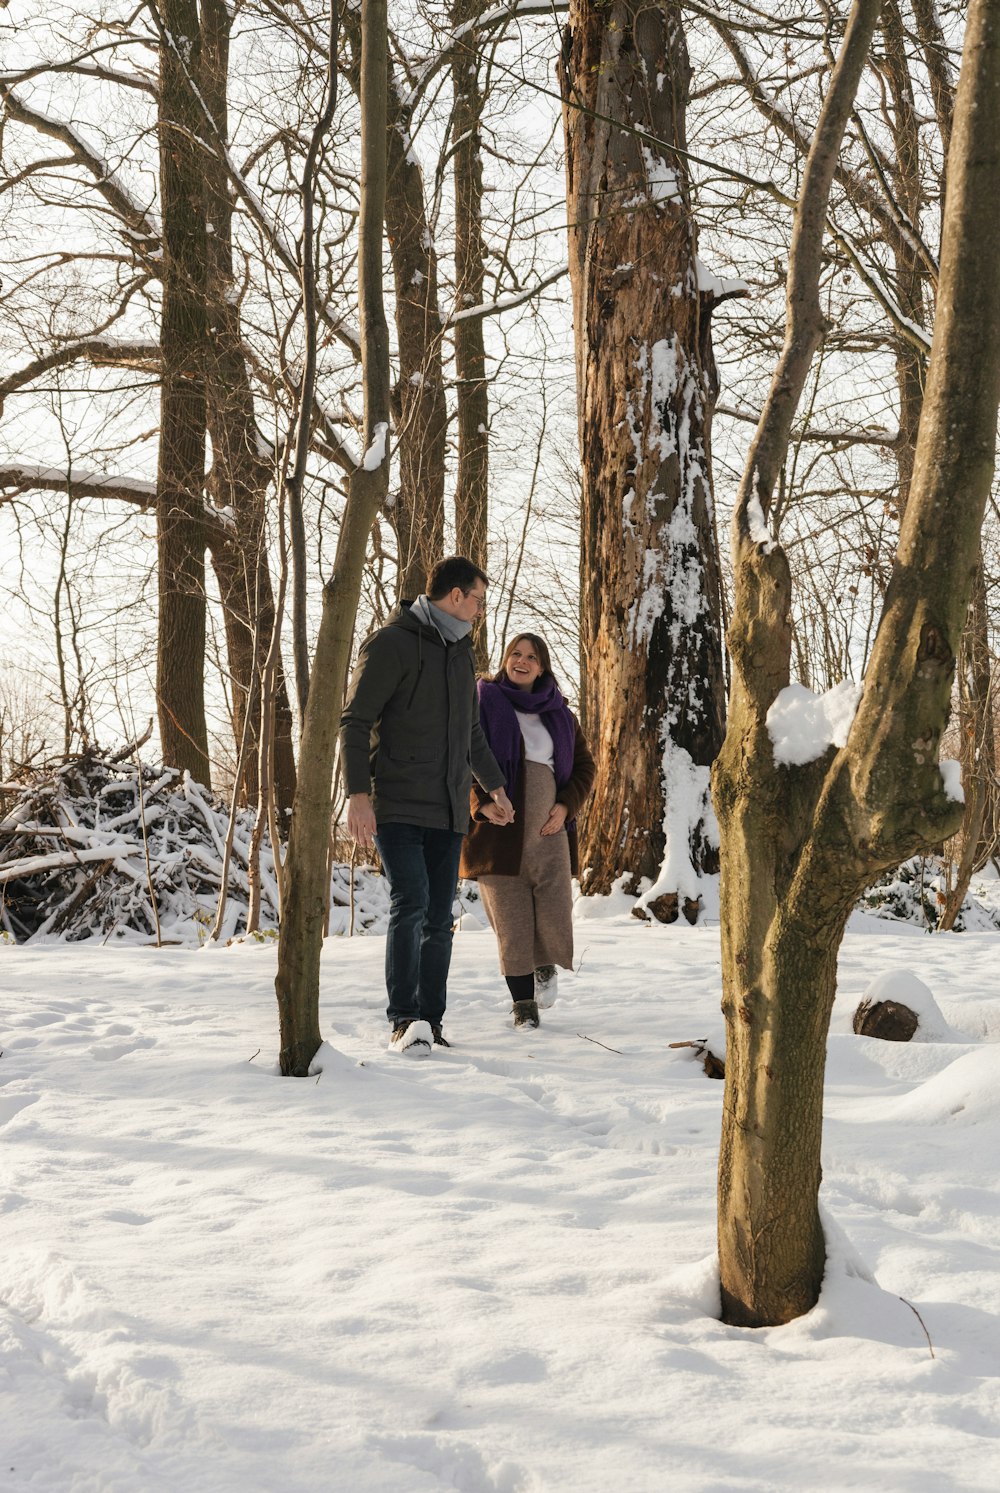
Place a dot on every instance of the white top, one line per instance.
(537, 741)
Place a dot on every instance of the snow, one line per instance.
(757, 525)
(375, 455)
(661, 179)
(951, 772)
(709, 283)
(686, 804)
(489, 1270)
(802, 725)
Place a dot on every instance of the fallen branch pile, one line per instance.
(88, 842)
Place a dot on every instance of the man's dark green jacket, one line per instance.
(410, 732)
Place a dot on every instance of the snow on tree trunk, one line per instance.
(652, 691)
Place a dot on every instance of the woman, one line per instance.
(525, 869)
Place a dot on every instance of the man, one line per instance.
(411, 727)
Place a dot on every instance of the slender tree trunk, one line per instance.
(419, 407)
(421, 411)
(911, 275)
(472, 484)
(800, 842)
(180, 477)
(978, 836)
(651, 628)
(301, 937)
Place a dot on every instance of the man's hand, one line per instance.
(361, 824)
(494, 814)
(504, 805)
(556, 819)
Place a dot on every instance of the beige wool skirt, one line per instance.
(532, 913)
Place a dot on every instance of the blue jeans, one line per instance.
(421, 867)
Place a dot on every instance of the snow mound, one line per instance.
(966, 1092)
(618, 903)
(907, 989)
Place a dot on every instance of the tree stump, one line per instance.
(890, 1021)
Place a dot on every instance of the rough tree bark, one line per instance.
(242, 470)
(800, 842)
(180, 476)
(913, 288)
(472, 388)
(300, 940)
(419, 406)
(651, 628)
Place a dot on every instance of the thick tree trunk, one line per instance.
(649, 573)
(300, 940)
(799, 842)
(180, 476)
(472, 483)
(242, 472)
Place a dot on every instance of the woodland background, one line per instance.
(486, 451)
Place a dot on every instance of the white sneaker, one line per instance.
(414, 1037)
(546, 984)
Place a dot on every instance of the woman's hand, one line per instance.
(556, 820)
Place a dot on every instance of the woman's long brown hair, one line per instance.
(541, 648)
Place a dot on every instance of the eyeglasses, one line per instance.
(479, 598)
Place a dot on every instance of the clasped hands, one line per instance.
(501, 810)
(497, 815)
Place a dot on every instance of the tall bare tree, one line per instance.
(473, 392)
(306, 868)
(180, 477)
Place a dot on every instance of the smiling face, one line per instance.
(523, 665)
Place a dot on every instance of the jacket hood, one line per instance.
(401, 616)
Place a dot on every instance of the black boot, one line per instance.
(522, 989)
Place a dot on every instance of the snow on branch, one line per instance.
(139, 220)
(803, 725)
(508, 302)
(23, 477)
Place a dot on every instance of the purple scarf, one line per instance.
(499, 702)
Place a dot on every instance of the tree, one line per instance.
(800, 840)
(473, 393)
(180, 476)
(306, 868)
(650, 603)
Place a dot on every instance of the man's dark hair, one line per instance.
(456, 570)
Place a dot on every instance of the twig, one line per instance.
(601, 1044)
(145, 847)
(921, 1321)
(253, 1055)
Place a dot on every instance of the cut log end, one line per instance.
(889, 1021)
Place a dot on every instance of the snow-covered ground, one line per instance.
(490, 1270)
